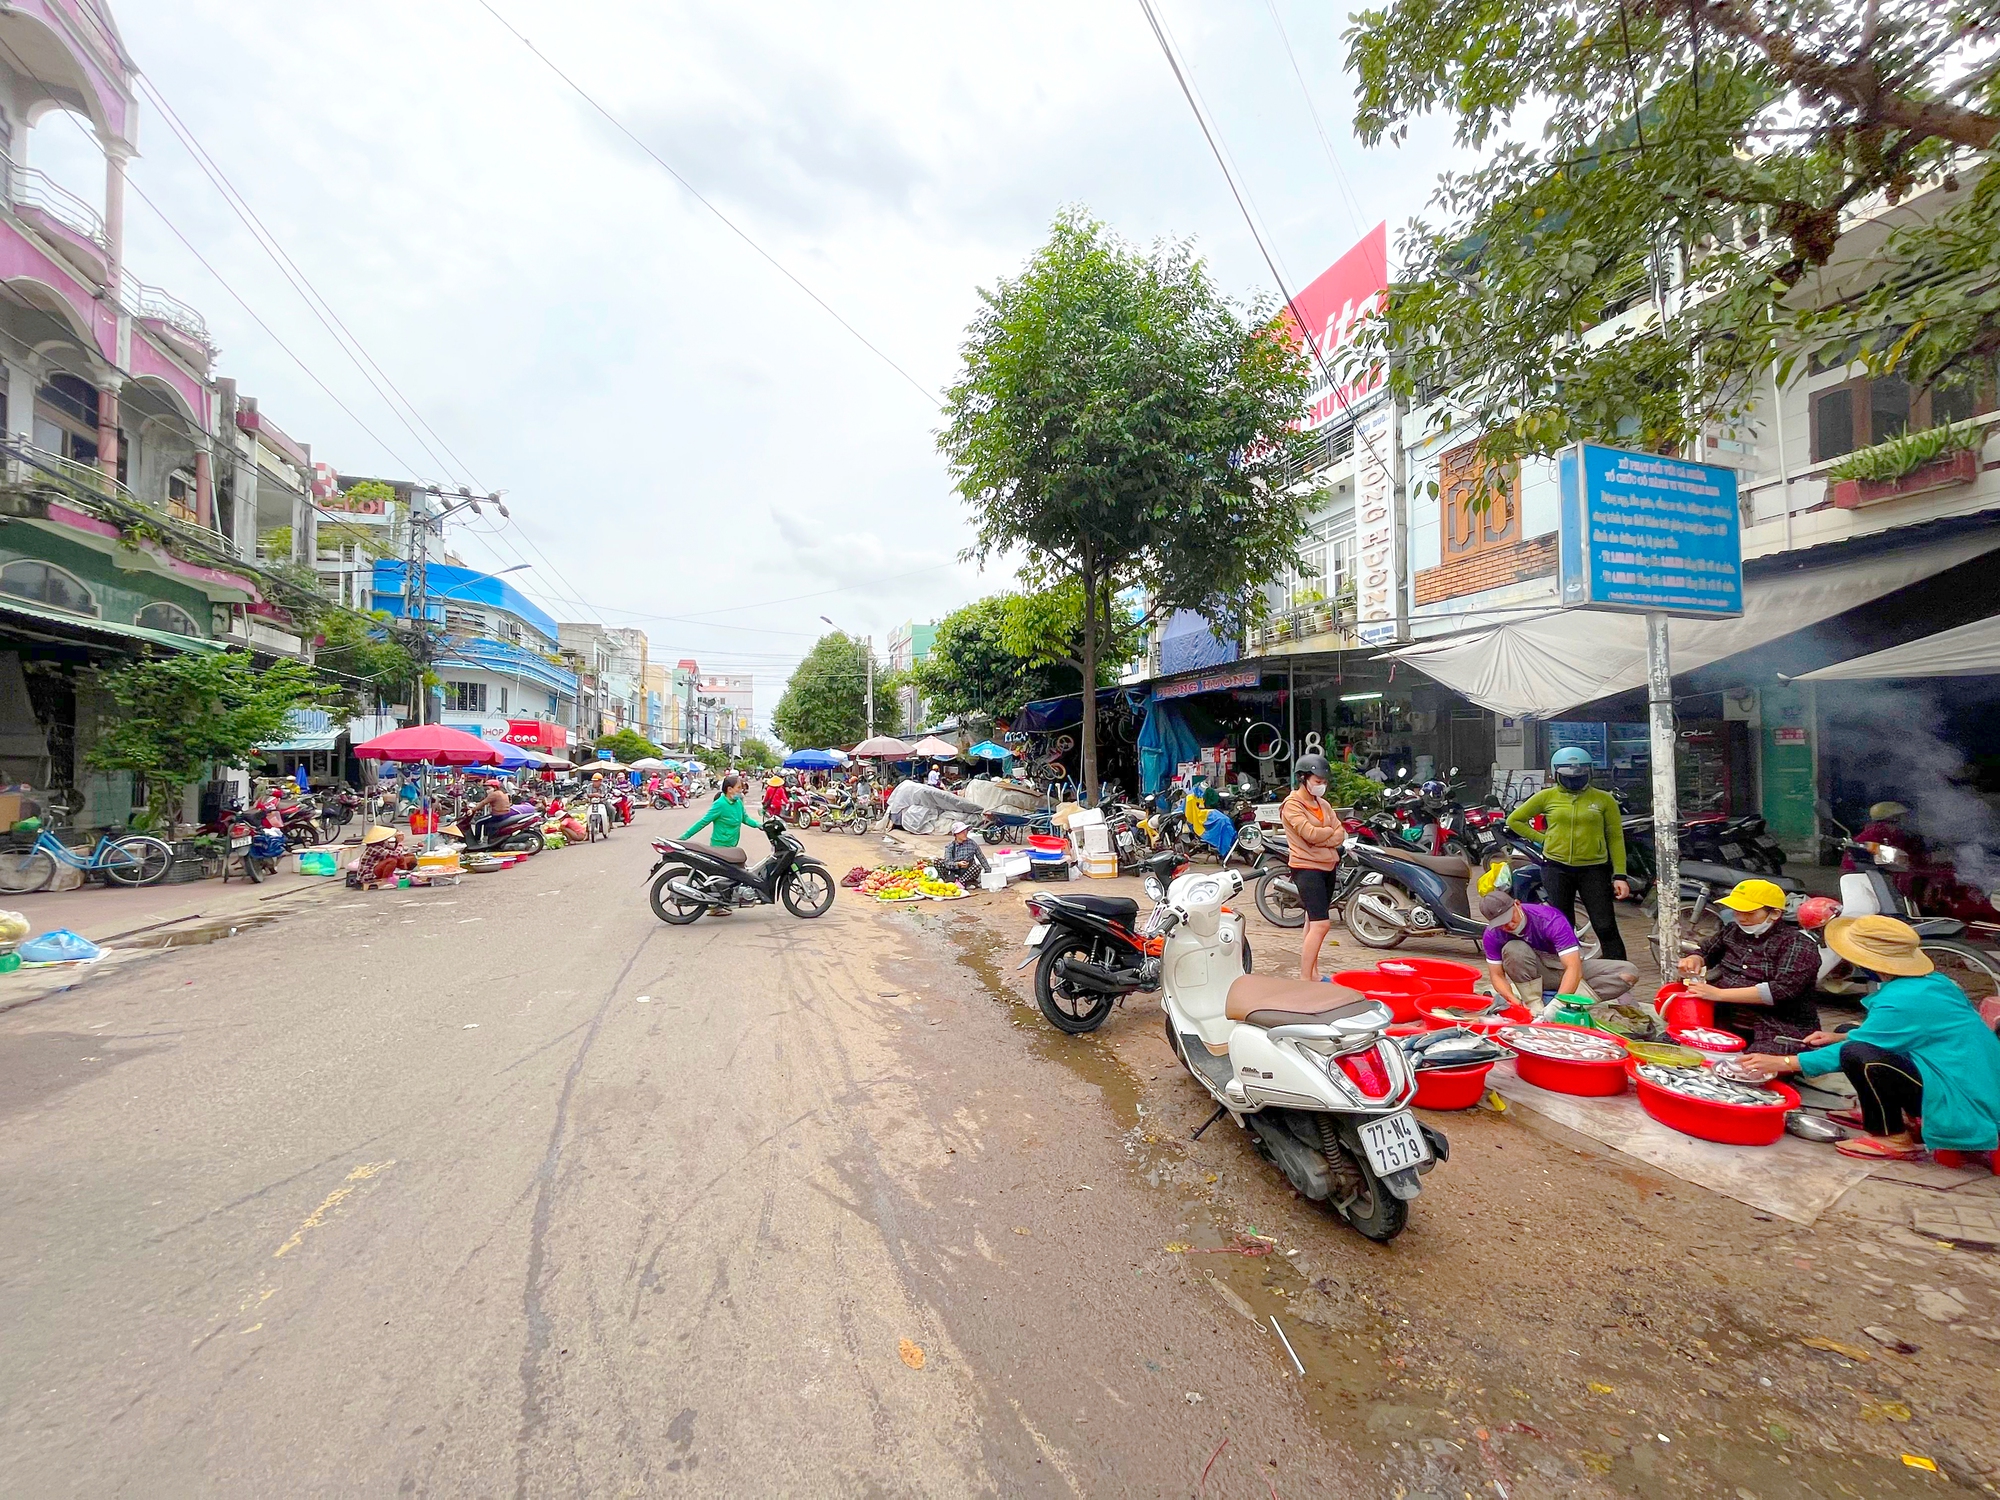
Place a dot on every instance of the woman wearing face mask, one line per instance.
(1583, 852)
(1314, 834)
(1760, 973)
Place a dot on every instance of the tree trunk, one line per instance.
(1089, 743)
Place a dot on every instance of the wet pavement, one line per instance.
(510, 1188)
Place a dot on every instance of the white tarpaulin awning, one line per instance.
(1540, 666)
(1969, 651)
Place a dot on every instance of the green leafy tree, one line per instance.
(1122, 422)
(1704, 160)
(825, 700)
(1045, 628)
(182, 715)
(628, 745)
(970, 668)
(757, 754)
(368, 662)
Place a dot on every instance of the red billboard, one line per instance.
(1351, 289)
(536, 734)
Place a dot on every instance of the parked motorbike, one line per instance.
(336, 810)
(1307, 1070)
(1090, 952)
(690, 879)
(1404, 891)
(251, 851)
(298, 821)
(517, 831)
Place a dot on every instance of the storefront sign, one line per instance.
(1213, 682)
(1375, 581)
(1783, 736)
(1349, 291)
(1649, 534)
(535, 734)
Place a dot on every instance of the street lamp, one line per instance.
(868, 657)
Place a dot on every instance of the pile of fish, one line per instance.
(1701, 1083)
(1713, 1041)
(1563, 1046)
(1453, 1047)
(1471, 1009)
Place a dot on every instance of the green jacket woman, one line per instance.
(1583, 850)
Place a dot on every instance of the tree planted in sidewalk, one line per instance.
(825, 700)
(368, 661)
(1121, 422)
(181, 717)
(628, 745)
(1708, 158)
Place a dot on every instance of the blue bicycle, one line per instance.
(135, 859)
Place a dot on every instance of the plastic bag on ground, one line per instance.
(59, 946)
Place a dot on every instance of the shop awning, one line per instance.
(1547, 663)
(57, 624)
(304, 742)
(1968, 651)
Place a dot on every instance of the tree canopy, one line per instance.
(824, 702)
(367, 661)
(180, 715)
(970, 668)
(757, 754)
(1120, 421)
(1705, 158)
(628, 745)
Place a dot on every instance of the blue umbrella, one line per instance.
(512, 757)
(812, 760)
(987, 750)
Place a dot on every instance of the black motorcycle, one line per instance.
(517, 831)
(689, 879)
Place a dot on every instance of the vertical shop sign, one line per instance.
(1374, 528)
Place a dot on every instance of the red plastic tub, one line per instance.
(1728, 1124)
(1451, 1088)
(1053, 843)
(1708, 1039)
(1397, 991)
(1443, 976)
(1427, 1007)
(1590, 1080)
(1678, 1009)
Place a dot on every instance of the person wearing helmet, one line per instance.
(1886, 825)
(1314, 835)
(1759, 970)
(1583, 852)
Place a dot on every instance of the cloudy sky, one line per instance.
(686, 441)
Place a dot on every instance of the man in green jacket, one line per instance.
(1583, 851)
(1923, 1053)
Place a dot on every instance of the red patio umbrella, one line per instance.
(433, 744)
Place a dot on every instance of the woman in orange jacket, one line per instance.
(1314, 834)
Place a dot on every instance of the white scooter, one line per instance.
(1307, 1069)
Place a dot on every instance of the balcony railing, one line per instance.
(1320, 450)
(29, 188)
(150, 303)
(1302, 622)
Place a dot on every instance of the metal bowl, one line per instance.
(1810, 1127)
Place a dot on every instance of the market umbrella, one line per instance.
(812, 760)
(606, 766)
(513, 757)
(431, 744)
(987, 750)
(934, 748)
(650, 763)
(883, 747)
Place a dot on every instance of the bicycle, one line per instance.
(134, 860)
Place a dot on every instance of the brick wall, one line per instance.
(1534, 558)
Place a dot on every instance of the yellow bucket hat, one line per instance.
(1752, 895)
(1879, 943)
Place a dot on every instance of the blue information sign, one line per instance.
(1649, 534)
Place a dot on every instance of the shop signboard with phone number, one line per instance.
(1649, 534)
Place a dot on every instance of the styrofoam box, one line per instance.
(1097, 839)
(1089, 817)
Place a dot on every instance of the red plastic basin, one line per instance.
(1443, 976)
(1708, 1039)
(1590, 1080)
(1728, 1124)
(1678, 1009)
(1451, 1088)
(1513, 1015)
(1397, 991)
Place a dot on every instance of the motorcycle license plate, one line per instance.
(235, 844)
(1732, 851)
(1394, 1143)
(1035, 935)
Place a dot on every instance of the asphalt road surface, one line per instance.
(513, 1190)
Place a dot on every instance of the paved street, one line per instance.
(511, 1189)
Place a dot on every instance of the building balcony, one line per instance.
(74, 228)
(1327, 625)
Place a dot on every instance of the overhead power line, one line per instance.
(1326, 142)
(696, 193)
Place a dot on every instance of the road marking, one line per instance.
(332, 1201)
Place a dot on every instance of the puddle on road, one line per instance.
(1349, 1343)
(198, 934)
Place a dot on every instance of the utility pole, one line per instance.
(868, 648)
(1666, 792)
(416, 585)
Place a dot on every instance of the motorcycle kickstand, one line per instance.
(1220, 1111)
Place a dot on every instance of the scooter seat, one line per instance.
(1708, 874)
(1121, 909)
(1267, 1000)
(1451, 866)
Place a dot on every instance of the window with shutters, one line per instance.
(1495, 524)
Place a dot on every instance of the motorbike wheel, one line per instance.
(145, 861)
(250, 869)
(807, 892)
(1977, 973)
(530, 842)
(669, 906)
(1069, 1010)
(1278, 898)
(1377, 1214)
(1465, 849)
(1371, 929)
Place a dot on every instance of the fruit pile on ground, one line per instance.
(886, 884)
(940, 890)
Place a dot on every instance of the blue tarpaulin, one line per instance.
(1165, 741)
(1060, 713)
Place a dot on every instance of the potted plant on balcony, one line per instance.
(1343, 600)
(1916, 463)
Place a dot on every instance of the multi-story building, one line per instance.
(910, 643)
(498, 662)
(728, 702)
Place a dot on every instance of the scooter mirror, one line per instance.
(1155, 892)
